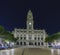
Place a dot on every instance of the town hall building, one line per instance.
(30, 37)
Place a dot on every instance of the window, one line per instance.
(21, 38)
(30, 43)
(21, 31)
(17, 31)
(24, 38)
(17, 43)
(30, 38)
(29, 31)
(35, 38)
(20, 43)
(35, 43)
(41, 38)
(38, 43)
(38, 38)
(24, 31)
(41, 31)
(41, 43)
(24, 43)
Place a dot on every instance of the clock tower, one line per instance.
(29, 20)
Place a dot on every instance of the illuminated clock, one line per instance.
(30, 23)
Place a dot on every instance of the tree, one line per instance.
(48, 39)
(10, 36)
(2, 29)
(52, 37)
(6, 34)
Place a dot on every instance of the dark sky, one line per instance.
(46, 14)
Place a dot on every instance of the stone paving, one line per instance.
(26, 51)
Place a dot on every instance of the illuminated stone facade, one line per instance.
(30, 37)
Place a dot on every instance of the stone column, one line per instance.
(19, 39)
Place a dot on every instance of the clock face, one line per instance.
(30, 23)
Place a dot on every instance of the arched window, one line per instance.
(21, 38)
(17, 43)
(35, 43)
(38, 38)
(24, 43)
(38, 43)
(41, 38)
(30, 43)
(35, 38)
(41, 43)
(24, 38)
(20, 43)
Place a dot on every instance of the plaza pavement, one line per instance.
(26, 51)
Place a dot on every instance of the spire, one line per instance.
(29, 15)
(29, 11)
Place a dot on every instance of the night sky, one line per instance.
(46, 14)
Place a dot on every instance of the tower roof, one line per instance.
(29, 15)
(29, 11)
